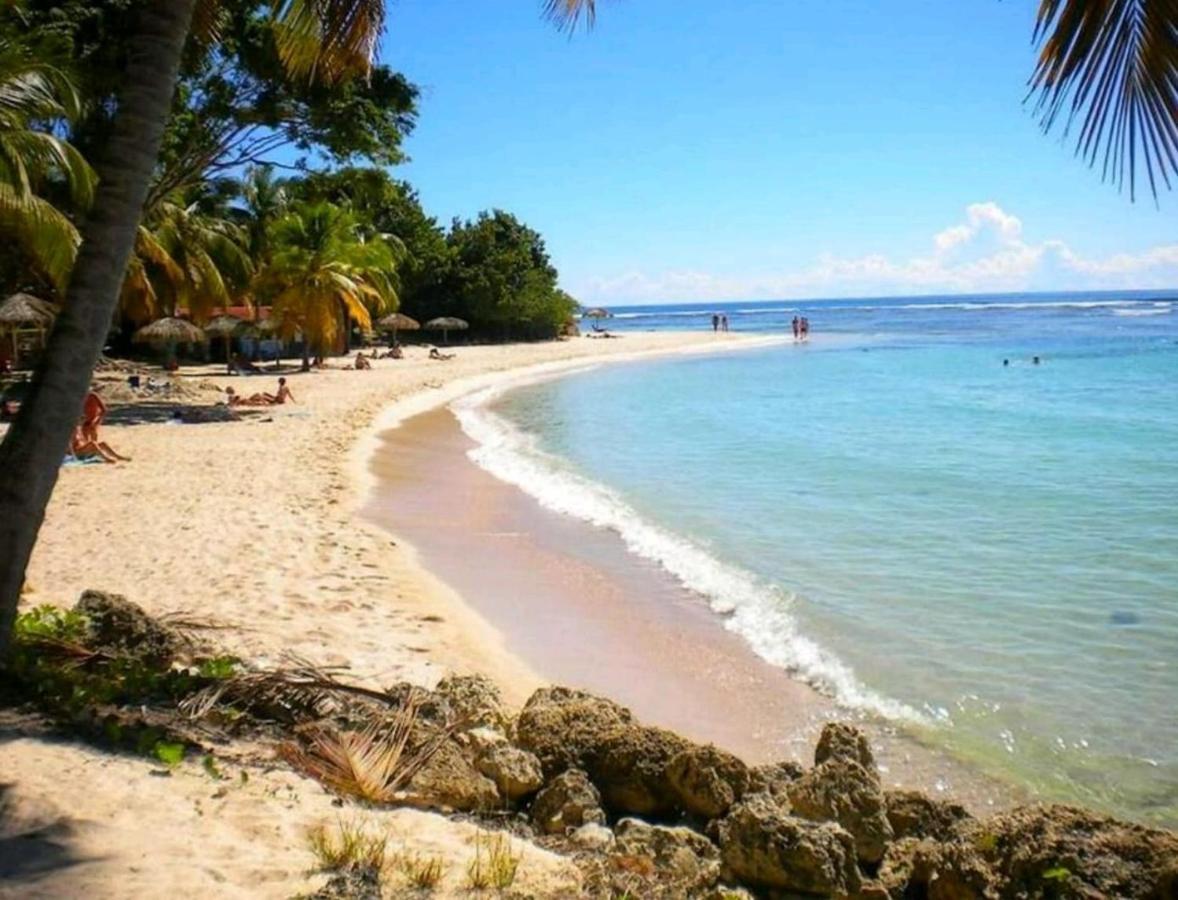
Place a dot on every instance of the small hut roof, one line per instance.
(25, 310)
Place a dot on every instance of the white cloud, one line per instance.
(985, 252)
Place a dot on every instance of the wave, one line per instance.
(1157, 309)
(758, 612)
(962, 305)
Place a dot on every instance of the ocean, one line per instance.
(909, 514)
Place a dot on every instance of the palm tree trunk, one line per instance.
(30, 457)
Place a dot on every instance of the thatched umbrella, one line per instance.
(169, 331)
(24, 311)
(399, 322)
(225, 327)
(597, 313)
(446, 324)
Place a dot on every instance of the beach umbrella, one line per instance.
(169, 331)
(446, 324)
(225, 327)
(399, 322)
(22, 311)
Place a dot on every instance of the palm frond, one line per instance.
(1111, 66)
(330, 40)
(43, 231)
(372, 764)
(568, 14)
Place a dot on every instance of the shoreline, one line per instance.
(578, 607)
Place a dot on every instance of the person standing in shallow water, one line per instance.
(804, 328)
(715, 321)
(724, 322)
(797, 327)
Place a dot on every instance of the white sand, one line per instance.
(253, 523)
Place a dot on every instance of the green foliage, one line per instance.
(52, 667)
(502, 279)
(422, 872)
(493, 865)
(1058, 874)
(170, 753)
(347, 846)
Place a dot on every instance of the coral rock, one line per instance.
(707, 781)
(569, 801)
(515, 772)
(630, 770)
(841, 790)
(767, 848)
(564, 727)
(842, 741)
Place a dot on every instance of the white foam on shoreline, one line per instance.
(757, 611)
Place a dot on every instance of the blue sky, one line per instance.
(756, 149)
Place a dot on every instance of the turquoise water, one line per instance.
(987, 554)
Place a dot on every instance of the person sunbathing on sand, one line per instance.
(282, 396)
(434, 353)
(83, 448)
(362, 361)
(93, 412)
(235, 399)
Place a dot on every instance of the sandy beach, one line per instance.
(253, 524)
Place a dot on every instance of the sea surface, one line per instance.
(909, 513)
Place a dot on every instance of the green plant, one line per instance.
(170, 753)
(209, 763)
(347, 846)
(493, 865)
(1058, 873)
(423, 872)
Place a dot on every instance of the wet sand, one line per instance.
(579, 609)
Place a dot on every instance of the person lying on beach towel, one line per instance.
(435, 353)
(394, 352)
(235, 399)
(82, 448)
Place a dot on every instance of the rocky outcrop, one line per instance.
(474, 700)
(912, 814)
(630, 770)
(774, 779)
(565, 728)
(516, 772)
(679, 855)
(842, 741)
(764, 847)
(568, 801)
(1080, 852)
(118, 626)
(843, 791)
(450, 780)
(707, 781)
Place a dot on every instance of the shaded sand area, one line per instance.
(583, 611)
(252, 523)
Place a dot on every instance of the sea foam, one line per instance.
(758, 612)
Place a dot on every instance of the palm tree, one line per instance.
(186, 258)
(33, 91)
(323, 274)
(329, 39)
(1111, 67)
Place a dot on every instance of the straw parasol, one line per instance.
(225, 327)
(24, 311)
(399, 322)
(169, 331)
(446, 324)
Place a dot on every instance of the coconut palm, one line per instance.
(34, 91)
(323, 274)
(184, 258)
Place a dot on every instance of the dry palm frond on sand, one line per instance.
(300, 686)
(372, 764)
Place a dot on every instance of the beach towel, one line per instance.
(72, 460)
